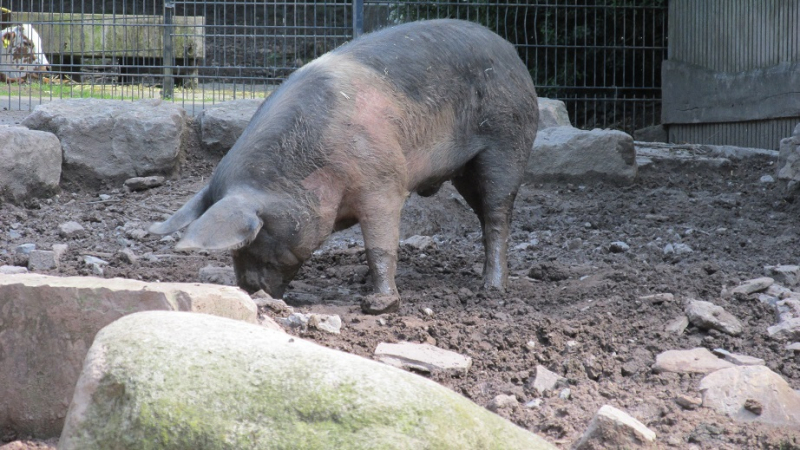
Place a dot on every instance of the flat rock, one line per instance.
(71, 229)
(419, 242)
(30, 164)
(217, 275)
(787, 329)
(613, 428)
(12, 270)
(143, 183)
(787, 275)
(552, 113)
(40, 364)
(546, 380)
(753, 286)
(113, 140)
(728, 391)
(737, 359)
(422, 357)
(232, 382)
(39, 260)
(677, 325)
(707, 315)
(697, 360)
(569, 154)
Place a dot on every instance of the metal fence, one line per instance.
(601, 57)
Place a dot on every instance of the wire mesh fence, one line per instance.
(601, 57)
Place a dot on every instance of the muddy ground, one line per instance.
(572, 305)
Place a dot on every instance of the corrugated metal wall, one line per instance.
(734, 36)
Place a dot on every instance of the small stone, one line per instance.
(546, 380)
(565, 394)
(127, 256)
(739, 360)
(25, 249)
(687, 402)
(754, 406)
(217, 275)
(42, 260)
(14, 234)
(707, 315)
(793, 347)
(656, 217)
(681, 249)
(502, 401)
(380, 304)
(136, 233)
(788, 275)
(329, 324)
(535, 403)
(296, 320)
(697, 360)
(658, 299)
(422, 357)
(59, 250)
(766, 179)
(788, 308)
(753, 286)
(618, 247)
(12, 270)
(142, 183)
(613, 428)
(419, 242)
(90, 260)
(787, 329)
(261, 298)
(574, 244)
(97, 270)
(71, 229)
(104, 197)
(427, 311)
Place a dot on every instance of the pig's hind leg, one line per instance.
(489, 184)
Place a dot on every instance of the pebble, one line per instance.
(767, 179)
(678, 325)
(419, 242)
(25, 249)
(427, 311)
(618, 247)
(565, 394)
(697, 360)
(330, 324)
(739, 360)
(12, 270)
(788, 275)
(422, 357)
(794, 346)
(502, 401)
(127, 256)
(71, 229)
(90, 260)
(104, 197)
(687, 402)
(546, 380)
(707, 315)
(142, 183)
(753, 286)
(613, 428)
(217, 275)
(658, 299)
(787, 329)
(535, 403)
(14, 234)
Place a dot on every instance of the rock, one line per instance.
(793, 347)
(565, 394)
(502, 401)
(618, 247)
(30, 164)
(687, 402)
(127, 256)
(728, 391)
(217, 275)
(39, 260)
(753, 286)
(12, 270)
(419, 242)
(739, 360)
(787, 329)
(707, 315)
(546, 380)
(697, 360)
(787, 275)
(612, 428)
(231, 382)
(40, 364)
(552, 113)
(657, 299)
(71, 229)
(90, 260)
(113, 140)
(766, 179)
(787, 309)
(423, 358)
(143, 183)
(261, 298)
(222, 123)
(25, 249)
(569, 154)
(59, 250)
(327, 323)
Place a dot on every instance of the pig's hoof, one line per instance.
(380, 304)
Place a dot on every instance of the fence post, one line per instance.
(358, 18)
(168, 89)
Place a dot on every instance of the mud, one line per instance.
(573, 304)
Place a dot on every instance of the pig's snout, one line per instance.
(254, 274)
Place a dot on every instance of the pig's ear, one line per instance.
(229, 224)
(188, 213)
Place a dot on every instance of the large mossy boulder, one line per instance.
(158, 380)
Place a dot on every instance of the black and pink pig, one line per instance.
(346, 139)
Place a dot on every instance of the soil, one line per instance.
(572, 305)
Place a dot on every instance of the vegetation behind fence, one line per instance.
(602, 57)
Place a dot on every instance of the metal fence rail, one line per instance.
(602, 57)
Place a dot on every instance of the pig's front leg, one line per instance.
(380, 224)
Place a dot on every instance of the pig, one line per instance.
(346, 139)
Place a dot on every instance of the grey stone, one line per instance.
(39, 260)
(223, 123)
(419, 242)
(753, 286)
(678, 325)
(788, 308)
(266, 390)
(552, 113)
(787, 329)
(127, 256)
(787, 275)
(327, 323)
(59, 250)
(113, 140)
(613, 428)
(707, 315)
(71, 229)
(40, 364)
(618, 247)
(687, 402)
(90, 260)
(30, 164)
(728, 391)
(143, 183)
(546, 380)
(422, 358)
(217, 275)
(657, 299)
(25, 249)
(11, 270)
(655, 133)
(766, 179)
(697, 360)
(570, 154)
(502, 401)
(793, 346)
